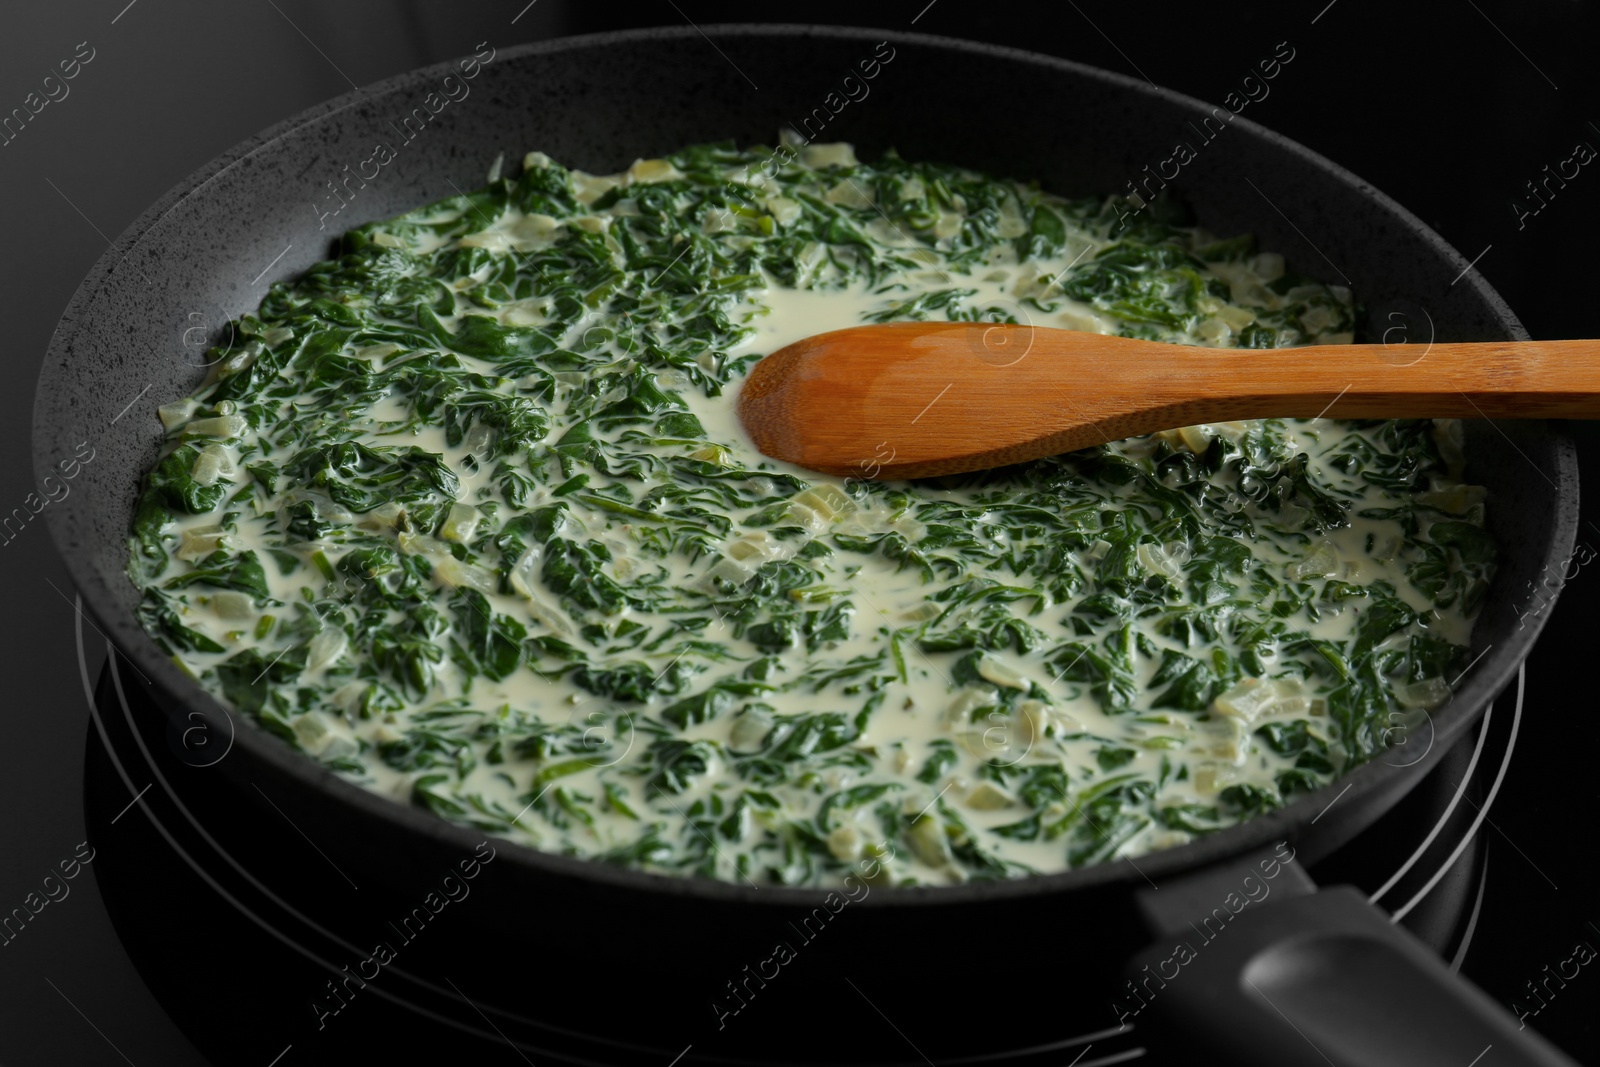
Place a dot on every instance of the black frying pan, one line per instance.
(644, 963)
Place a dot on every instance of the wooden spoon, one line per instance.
(916, 399)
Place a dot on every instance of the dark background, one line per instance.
(1449, 107)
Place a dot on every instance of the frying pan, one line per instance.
(644, 963)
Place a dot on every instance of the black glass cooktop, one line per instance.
(1471, 114)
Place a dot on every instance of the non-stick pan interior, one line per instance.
(209, 249)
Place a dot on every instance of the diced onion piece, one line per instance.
(812, 520)
(347, 698)
(175, 414)
(326, 647)
(1293, 706)
(1213, 332)
(948, 225)
(838, 154)
(1035, 720)
(552, 616)
(754, 549)
(1233, 746)
(1247, 700)
(233, 605)
(1236, 318)
(845, 843)
(453, 572)
(1320, 562)
(420, 544)
(221, 453)
(1426, 694)
(1289, 687)
(783, 210)
(848, 194)
(591, 223)
(1097, 551)
(477, 440)
(653, 170)
(812, 254)
(999, 673)
(966, 702)
(987, 742)
(1212, 778)
(199, 542)
(522, 572)
(1268, 266)
(1011, 222)
(587, 188)
(460, 524)
(915, 531)
(1292, 516)
(1155, 558)
(1317, 319)
(220, 426)
(1451, 437)
(210, 465)
(1196, 438)
(387, 348)
(277, 336)
(733, 571)
(713, 454)
(326, 509)
(383, 517)
(1167, 839)
(227, 368)
(986, 796)
(1385, 548)
(524, 313)
(751, 546)
(1289, 699)
(322, 735)
(829, 501)
(334, 512)
(928, 841)
(490, 240)
(749, 729)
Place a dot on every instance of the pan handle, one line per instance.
(1309, 977)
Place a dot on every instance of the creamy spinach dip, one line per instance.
(465, 514)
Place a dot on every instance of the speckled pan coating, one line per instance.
(600, 102)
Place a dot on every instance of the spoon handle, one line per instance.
(1487, 379)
